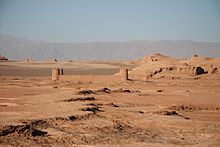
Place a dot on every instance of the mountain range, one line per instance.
(19, 49)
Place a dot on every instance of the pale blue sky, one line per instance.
(111, 20)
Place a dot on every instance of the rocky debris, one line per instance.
(185, 64)
(112, 105)
(93, 104)
(170, 68)
(186, 69)
(158, 71)
(85, 92)
(184, 108)
(141, 112)
(191, 70)
(149, 76)
(160, 90)
(28, 129)
(166, 112)
(25, 130)
(163, 69)
(107, 91)
(97, 129)
(32, 128)
(100, 104)
(93, 109)
(214, 70)
(30, 133)
(3, 105)
(192, 108)
(120, 90)
(198, 71)
(103, 90)
(2, 58)
(171, 113)
(80, 99)
(81, 117)
(154, 73)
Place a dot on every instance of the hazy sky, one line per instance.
(111, 20)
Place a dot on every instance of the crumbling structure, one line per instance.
(124, 73)
(55, 74)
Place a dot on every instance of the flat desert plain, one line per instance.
(165, 102)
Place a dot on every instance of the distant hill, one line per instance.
(18, 49)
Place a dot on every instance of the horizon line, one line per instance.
(99, 41)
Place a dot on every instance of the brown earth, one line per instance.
(99, 109)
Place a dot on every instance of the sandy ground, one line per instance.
(100, 110)
(25, 69)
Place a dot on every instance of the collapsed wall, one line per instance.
(160, 66)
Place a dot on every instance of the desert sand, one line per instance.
(165, 102)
